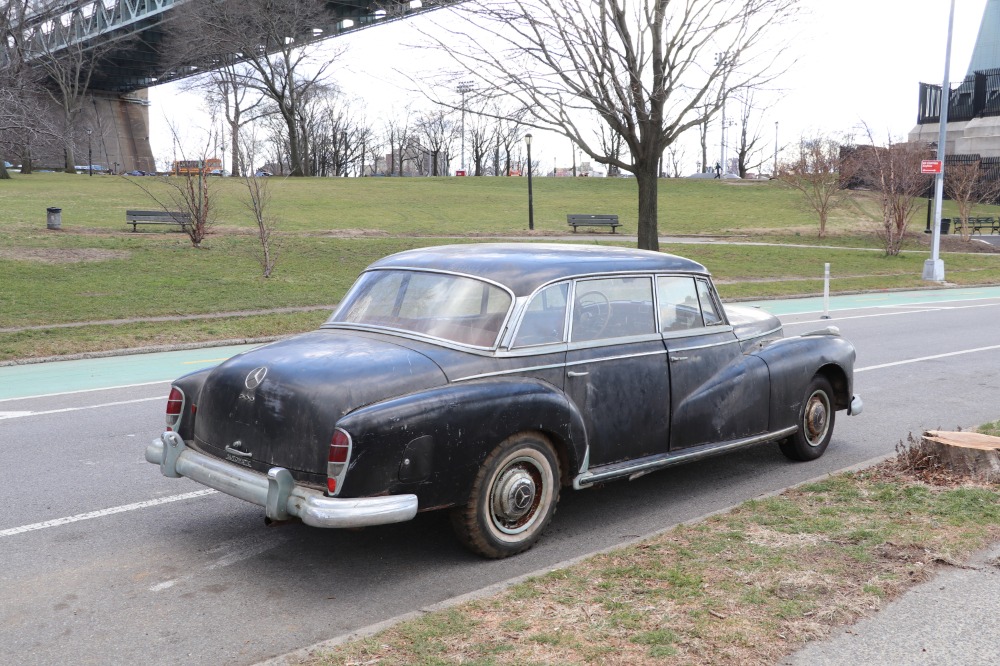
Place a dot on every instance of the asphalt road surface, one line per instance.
(104, 561)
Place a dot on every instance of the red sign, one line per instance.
(460, 172)
(930, 166)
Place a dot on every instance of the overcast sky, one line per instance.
(857, 61)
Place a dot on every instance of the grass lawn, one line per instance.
(746, 587)
(94, 269)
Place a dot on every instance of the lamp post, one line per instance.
(775, 173)
(90, 153)
(531, 203)
(464, 87)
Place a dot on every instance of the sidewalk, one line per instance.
(954, 618)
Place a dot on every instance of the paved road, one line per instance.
(105, 561)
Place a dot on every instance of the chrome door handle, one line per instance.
(678, 358)
(237, 452)
(571, 373)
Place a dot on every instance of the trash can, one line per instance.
(53, 219)
(945, 225)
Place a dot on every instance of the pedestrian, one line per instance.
(718, 171)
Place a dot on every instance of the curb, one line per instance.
(297, 656)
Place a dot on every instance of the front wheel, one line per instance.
(513, 497)
(816, 419)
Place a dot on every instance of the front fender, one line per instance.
(431, 443)
(793, 362)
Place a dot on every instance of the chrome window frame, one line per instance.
(406, 333)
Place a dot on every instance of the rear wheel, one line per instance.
(816, 419)
(513, 498)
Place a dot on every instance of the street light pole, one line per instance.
(90, 153)
(531, 203)
(464, 87)
(774, 174)
(934, 267)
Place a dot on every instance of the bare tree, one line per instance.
(894, 173)
(820, 176)
(189, 192)
(675, 158)
(397, 132)
(749, 143)
(644, 67)
(274, 41)
(230, 94)
(438, 130)
(257, 201)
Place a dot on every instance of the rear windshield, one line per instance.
(439, 305)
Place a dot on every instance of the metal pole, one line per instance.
(464, 87)
(722, 147)
(826, 291)
(775, 174)
(90, 154)
(531, 203)
(934, 267)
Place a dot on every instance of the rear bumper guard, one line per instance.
(276, 491)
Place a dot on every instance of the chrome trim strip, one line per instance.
(276, 491)
(663, 460)
(694, 332)
(759, 335)
(551, 366)
(409, 335)
(734, 341)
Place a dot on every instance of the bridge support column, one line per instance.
(121, 131)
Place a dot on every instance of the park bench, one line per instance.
(137, 217)
(991, 224)
(593, 221)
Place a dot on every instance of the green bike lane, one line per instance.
(133, 370)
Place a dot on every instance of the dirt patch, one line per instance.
(61, 256)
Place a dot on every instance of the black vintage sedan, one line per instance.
(483, 379)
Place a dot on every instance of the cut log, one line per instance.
(965, 453)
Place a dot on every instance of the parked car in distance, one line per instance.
(485, 379)
(259, 173)
(219, 172)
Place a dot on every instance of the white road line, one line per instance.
(56, 522)
(928, 308)
(103, 388)
(19, 415)
(926, 358)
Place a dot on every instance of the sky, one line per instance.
(856, 61)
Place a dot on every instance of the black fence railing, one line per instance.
(977, 96)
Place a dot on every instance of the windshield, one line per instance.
(456, 308)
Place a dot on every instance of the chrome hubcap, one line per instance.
(816, 421)
(513, 496)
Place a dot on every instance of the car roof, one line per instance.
(523, 267)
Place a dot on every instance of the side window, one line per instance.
(709, 308)
(613, 308)
(544, 319)
(678, 300)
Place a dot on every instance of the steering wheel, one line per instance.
(594, 313)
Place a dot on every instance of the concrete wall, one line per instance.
(979, 136)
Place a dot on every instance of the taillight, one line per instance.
(175, 405)
(336, 461)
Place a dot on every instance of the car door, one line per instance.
(718, 394)
(616, 368)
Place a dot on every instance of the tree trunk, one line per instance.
(965, 453)
(70, 165)
(647, 182)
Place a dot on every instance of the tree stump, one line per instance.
(965, 453)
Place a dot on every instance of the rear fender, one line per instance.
(190, 385)
(432, 443)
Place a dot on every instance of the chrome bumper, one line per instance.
(856, 406)
(276, 491)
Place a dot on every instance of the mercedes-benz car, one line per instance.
(485, 379)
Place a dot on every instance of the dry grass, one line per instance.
(747, 587)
